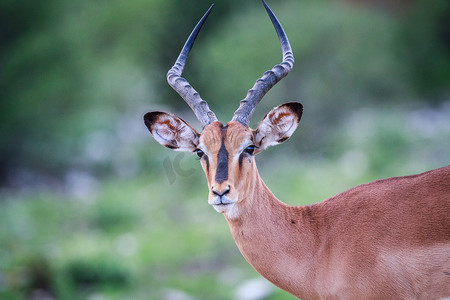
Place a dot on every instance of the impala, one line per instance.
(388, 239)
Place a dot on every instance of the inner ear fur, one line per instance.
(171, 131)
(278, 125)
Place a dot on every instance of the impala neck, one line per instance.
(278, 240)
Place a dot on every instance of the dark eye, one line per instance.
(250, 149)
(199, 152)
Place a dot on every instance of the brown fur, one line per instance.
(388, 239)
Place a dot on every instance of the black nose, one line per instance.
(220, 194)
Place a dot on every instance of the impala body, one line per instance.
(388, 239)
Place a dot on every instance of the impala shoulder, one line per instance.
(427, 181)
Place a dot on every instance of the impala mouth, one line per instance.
(222, 204)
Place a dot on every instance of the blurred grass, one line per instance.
(136, 239)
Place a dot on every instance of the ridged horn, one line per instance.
(182, 86)
(247, 106)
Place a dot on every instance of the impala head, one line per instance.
(227, 151)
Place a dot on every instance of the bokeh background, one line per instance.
(91, 207)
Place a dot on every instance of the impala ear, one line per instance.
(278, 125)
(171, 131)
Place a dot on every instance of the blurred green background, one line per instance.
(91, 207)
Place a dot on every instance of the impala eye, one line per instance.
(250, 149)
(199, 152)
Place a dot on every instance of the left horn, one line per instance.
(182, 86)
(247, 106)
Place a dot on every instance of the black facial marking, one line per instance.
(241, 158)
(207, 163)
(222, 161)
(171, 146)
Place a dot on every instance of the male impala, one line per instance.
(388, 239)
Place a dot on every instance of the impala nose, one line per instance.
(221, 193)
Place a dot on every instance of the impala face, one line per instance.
(227, 151)
(226, 154)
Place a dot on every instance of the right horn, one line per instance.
(199, 106)
(247, 106)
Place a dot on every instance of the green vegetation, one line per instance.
(91, 207)
(136, 239)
